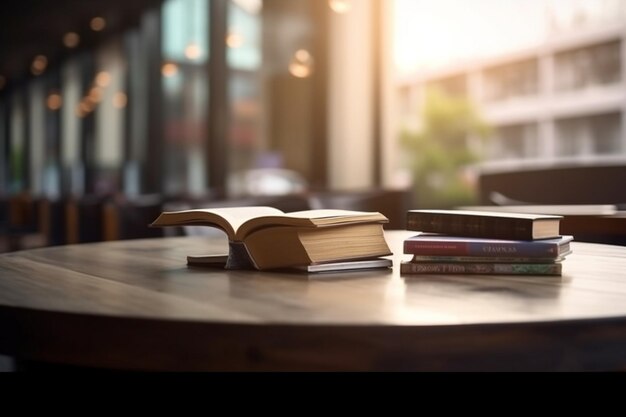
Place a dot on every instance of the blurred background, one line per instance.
(111, 112)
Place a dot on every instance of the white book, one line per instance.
(347, 265)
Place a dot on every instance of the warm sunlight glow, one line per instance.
(97, 24)
(103, 79)
(54, 101)
(193, 51)
(250, 6)
(95, 95)
(71, 40)
(234, 39)
(39, 65)
(301, 65)
(433, 34)
(120, 99)
(340, 6)
(169, 69)
(84, 108)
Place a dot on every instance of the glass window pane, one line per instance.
(185, 86)
(185, 28)
(515, 142)
(590, 135)
(108, 91)
(588, 67)
(514, 80)
(271, 64)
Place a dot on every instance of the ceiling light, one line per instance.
(169, 69)
(71, 40)
(340, 6)
(97, 24)
(39, 65)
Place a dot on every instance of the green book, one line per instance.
(473, 268)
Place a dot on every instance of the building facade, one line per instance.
(562, 102)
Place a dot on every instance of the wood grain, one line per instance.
(136, 305)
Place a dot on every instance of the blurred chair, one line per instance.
(129, 218)
(23, 222)
(53, 221)
(573, 185)
(584, 184)
(84, 219)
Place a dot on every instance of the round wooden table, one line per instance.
(135, 305)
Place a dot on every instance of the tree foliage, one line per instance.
(439, 152)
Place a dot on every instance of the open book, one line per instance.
(266, 238)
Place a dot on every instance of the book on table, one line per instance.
(481, 268)
(266, 238)
(552, 209)
(441, 254)
(426, 244)
(484, 224)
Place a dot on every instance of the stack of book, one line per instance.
(476, 242)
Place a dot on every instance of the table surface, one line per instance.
(136, 305)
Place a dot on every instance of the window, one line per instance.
(185, 85)
(598, 65)
(590, 135)
(516, 142)
(508, 81)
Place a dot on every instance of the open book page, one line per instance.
(239, 222)
(311, 218)
(228, 219)
(327, 216)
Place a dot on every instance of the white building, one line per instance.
(560, 103)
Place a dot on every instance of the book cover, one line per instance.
(438, 245)
(407, 268)
(489, 259)
(484, 224)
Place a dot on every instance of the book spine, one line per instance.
(471, 226)
(531, 249)
(239, 257)
(554, 269)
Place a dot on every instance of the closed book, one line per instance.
(408, 268)
(489, 259)
(485, 224)
(439, 245)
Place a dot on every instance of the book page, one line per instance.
(229, 219)
(329, 213)
(236, 216)
(311, 218)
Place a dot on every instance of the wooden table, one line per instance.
(136, 305)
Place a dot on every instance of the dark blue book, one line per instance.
(485, 224)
